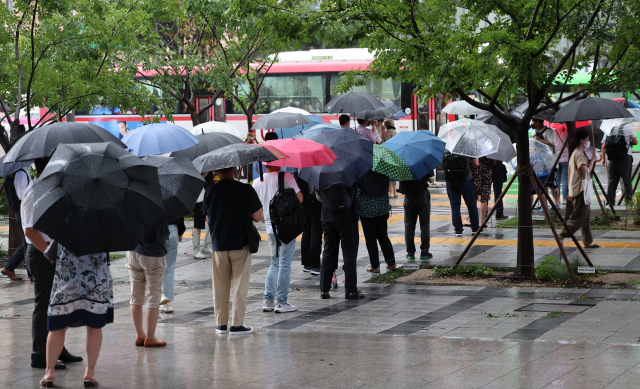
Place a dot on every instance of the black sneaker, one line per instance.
(457, 233)
(221, 329)
(306, 269)
(315, 272)
(502, 217)
(425, 256)
(241, 330)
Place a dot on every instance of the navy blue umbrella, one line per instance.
(421, 150)
(11, 167)
(355, 158)
(311, 132)
(158, 139)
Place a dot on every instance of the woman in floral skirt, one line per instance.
(82, 295)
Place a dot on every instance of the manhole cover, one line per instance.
(553, 308)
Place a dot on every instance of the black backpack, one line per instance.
(10, 192)
(415, 188)
(455, 168)
(336, 198)
(616, 148)
(288, 218)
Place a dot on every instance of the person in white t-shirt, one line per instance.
(620, 168)
(279, 273)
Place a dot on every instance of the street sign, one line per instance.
(537, 217)
(411, 266)
(586, 269)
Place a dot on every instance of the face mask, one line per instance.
(587, 145)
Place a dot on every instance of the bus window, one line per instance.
(388, 89)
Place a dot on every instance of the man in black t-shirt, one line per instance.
(417, 205)
(228, 205)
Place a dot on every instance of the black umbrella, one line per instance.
(280, 120)
(591, 108)
(353, 102)
(208, 142)
(180, 182)
(547, 114)
(11, 167)
(489, 118)
(355, 158)
(95, 198)
(377, 114)
(240, 154)
(43, 141)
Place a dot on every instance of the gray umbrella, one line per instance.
(353, 102)
(42, 142)
(236, 155)
(280, 120)
(377, 114)
(95, 198)
(208, 141)
(11, 167)
(547, 114)
(180, 182)
(591, 108)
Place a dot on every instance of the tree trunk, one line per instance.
(525, 264)
(195, 118)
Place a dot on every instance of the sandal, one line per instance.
(391, 268)
(591, 246)
(46, 383)
(91, 383)
(372, 270)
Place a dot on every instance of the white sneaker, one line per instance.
(167, 308)
(285, 307)
(164, 300)
(267, 305)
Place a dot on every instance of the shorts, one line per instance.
(198, 217)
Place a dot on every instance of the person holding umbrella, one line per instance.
(14, 186)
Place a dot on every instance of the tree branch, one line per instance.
(533, 20)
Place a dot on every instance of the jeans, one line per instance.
(617, 170)
(414, 208)
(467, 190)
(279, 274)
(562, 176)
(375, 230)
(172, 254)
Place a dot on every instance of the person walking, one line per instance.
(482, 178)
(311, 244)
(81, 296)
(146, 265)
(176, 230)
(498, 178)
(14, 186)
(374, 213)
(228, 204)
(389, 132)
(340, 227)
(578, 213)
(43, 272)
(276, 288)
(364, 131)
(547, 136)
(617, 148)
(459, 179)
(417, 205)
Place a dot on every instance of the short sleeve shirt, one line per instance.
(21, 181)
(561, 137)
(26, 211)
(549, 136)
(267, 190)
(578, 158)
(367, 133)
(229, 205)
(627, 140)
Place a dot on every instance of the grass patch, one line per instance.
(476, 270)
(553, 314)
(115, 256)
(553, 269)
(597, 223)
(391, 276)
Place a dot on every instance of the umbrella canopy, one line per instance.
(43, 141)
(390, 164)
(355, 158)
(311, 132)
(158, 138)
(292, 110)
(541, 157)
(290, 132)
(421, 151)
(613, 127)
(636, 113)
(471, 138)
(376, 114)
(489, 118)
(301, 153)
(207, 142)
(95, 198)
(352, 102)
(506, 152)
(591, 108)
(214, 126)
(11, 167)
(180, 182)
(398, 111)
(547, 114)
(461, 108)
(239, 154)
(279, 120)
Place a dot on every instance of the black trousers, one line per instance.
(311, 245)
(43, 272)
(338, 234)
(417, 208)
(18, 255)
(498, 182)
(375, 230)
(617, 170)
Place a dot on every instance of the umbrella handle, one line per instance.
(260, 169)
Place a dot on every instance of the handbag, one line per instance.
(253, 236)
(587, 188)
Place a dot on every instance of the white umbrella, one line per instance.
(461, 108)
(636, 113)
(506, 152)
(214, 126)
(471, 138)
(619, 127)
(292, 110)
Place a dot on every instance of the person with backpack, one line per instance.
(276, 288)
(340, 210)
(374, 213)
(14, 186)
(618, 151)
(417, 205)
(457, 174)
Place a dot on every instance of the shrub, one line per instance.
(475, 270)
(553, 269)
(633, 207)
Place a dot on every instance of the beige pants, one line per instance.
(147, 274)
(227, 266)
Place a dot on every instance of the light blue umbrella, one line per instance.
(284, 133)
(158, 139)
(309, 133)
(421, 150)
